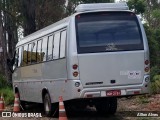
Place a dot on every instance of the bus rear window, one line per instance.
(108, 32)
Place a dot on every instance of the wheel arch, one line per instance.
(44, 91)
(16, 90)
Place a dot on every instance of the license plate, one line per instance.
(113, 93)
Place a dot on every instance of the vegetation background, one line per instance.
(22, 17)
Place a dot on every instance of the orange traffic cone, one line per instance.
(16, 103)
(62, 112)
(2, 107)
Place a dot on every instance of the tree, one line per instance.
(48, 12)
(138, 6)
(155, 19)
(3, 47)
(25, 14)
(153, 45)
(152, 11)
(8, 33)
(28, 12)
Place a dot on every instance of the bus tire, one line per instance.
(23, 105)
(49, 108)
(112, 105)
(102, 106)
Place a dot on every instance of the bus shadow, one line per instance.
(33, 107)
(92, 115)
(86, 114)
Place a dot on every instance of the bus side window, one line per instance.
(56, 45)
(50, 48)
(25, 62)
(33, 53)
(63, 44)
(21, 63)
(44, 48)
(39, 51)
(16, 59)
(29, 53)
(20, 57)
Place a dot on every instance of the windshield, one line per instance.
(108, 32)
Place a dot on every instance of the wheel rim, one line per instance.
(47, 106)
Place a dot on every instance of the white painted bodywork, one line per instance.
(57, 75)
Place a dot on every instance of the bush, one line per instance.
(6, 90)
(154, 71)
(8, 95)
(3, 82)
(155, 84)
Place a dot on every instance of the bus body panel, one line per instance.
(35, 78)
(100, 69)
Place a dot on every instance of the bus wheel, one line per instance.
(112, 105)
(23, 105)
(102, 106)
(49, 108)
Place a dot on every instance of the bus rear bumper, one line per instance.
(103, 93)
(117, 91)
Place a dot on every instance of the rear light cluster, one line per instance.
(136, 92)
(75, 74)
(75, 68)
(146, 69)
(146, 62)
(147, 79)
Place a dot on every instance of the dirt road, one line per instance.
(128, 109)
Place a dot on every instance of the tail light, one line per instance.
(146, 69)
(75, 74)
(136, 92)
(75, 66)
(146, 62)
(75, 70)
(89, 96)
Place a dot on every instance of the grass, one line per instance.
(3, 82)
(6, 90)
(8, 95)
(142, 99)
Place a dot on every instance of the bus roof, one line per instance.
(101, 6)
